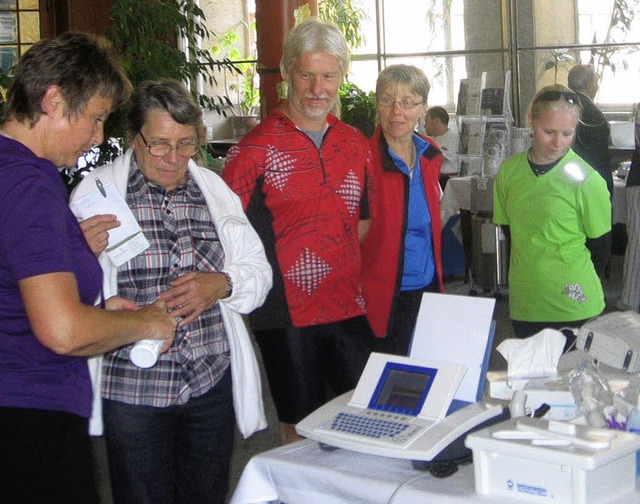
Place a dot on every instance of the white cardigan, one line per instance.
(244, 261)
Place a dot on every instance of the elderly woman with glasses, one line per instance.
(556, 208)
(169, 428)
(401, 255)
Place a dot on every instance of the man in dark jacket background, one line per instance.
(591, 143)
(593, 134)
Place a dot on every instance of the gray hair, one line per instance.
(407, 75)
(169, 95)
(314, 36)
(581, 77)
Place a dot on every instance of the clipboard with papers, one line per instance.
(125, 241)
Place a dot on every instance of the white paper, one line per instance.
(125, 241)
(455, 329)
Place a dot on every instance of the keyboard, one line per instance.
(376, 426)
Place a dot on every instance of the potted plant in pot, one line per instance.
(241, 82)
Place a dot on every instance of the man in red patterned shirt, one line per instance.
(301, 175)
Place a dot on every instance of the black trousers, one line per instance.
(303, 364)
(402, 321)
(45, 458)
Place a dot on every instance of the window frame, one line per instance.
(514, 54)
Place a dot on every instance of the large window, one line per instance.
(553, 35)
(537, 40)
(19, 29)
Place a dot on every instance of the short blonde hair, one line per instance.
(407, 75)
(554, 97)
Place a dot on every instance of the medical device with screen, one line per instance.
(398, 409)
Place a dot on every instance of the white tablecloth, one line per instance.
(456, 196)
(302, 473)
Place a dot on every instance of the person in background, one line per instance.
(436, 125)
(401, 255)
(61, 93)
(553, 203)
(593, 134)
(591, 143)
(630, 297)
(301, 175)
(169, 428)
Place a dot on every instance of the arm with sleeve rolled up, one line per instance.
(56, 314)
(62, 323)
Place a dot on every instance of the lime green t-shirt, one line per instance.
(551, 275)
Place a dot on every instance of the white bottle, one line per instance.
(633, 425)
(145, 352)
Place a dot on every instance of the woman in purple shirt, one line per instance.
(62, 91)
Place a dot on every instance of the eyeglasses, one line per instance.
(553, 95)
(404, 104)
(160, 149)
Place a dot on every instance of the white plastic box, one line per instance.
(555, 393)
(565, 469)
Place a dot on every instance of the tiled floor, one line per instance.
(267, 439)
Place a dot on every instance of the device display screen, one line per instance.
(402, 388)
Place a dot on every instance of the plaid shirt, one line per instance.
(183, 239)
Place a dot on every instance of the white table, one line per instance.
(302, 473)
(456, 197)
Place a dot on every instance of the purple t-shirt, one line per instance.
(38, 235)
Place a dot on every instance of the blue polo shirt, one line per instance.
(419, 264)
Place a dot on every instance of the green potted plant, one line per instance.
(358, 108)
(558, 59)
(145, 34)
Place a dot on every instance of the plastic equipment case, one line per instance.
(613, 339)
(545, 461)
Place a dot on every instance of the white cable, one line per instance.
(408, 482)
